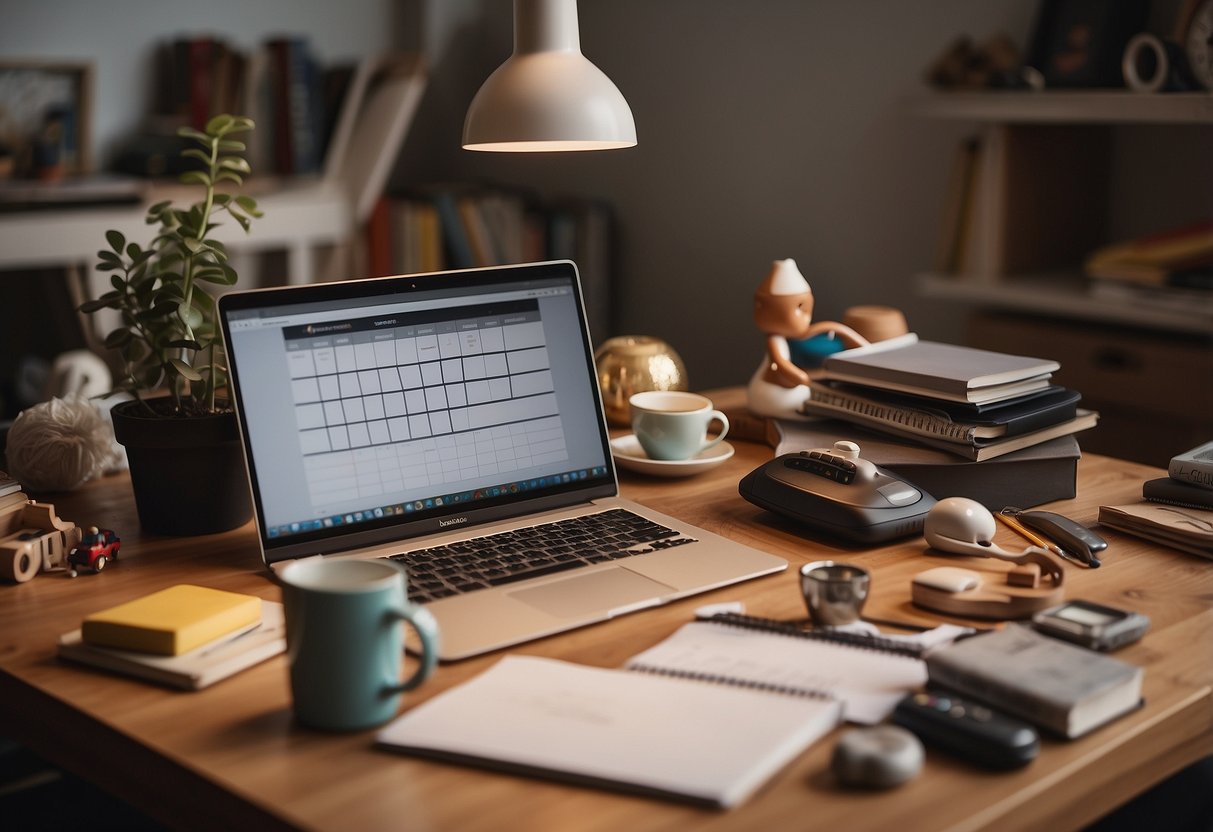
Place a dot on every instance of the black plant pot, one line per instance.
(187, 471)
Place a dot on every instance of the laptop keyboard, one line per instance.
(531, 552)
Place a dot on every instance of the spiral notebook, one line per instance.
(708, 715)
(868, 675)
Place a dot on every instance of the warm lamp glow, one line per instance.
(548, 96)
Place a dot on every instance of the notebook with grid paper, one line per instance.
(452, 421)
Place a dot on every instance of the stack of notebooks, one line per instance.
(973, 405)
(1175, 510)
(185, 636)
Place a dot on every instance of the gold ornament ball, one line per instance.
(633, 364)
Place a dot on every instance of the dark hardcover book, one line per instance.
(279, 72)
(1061, 687)
(1029, 477)
(941, 370)
(1022, 414)
(1176, 493)
(458, 247)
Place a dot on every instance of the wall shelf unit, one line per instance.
(1069, 107)
(1029, 199)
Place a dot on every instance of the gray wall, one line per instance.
(766, 130)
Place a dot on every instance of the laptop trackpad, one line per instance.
(597, 592)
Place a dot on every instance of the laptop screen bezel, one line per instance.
(386, 530)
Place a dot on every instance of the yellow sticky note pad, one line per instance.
(172, 621)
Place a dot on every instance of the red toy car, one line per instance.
(97, 548)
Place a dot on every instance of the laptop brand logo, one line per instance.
(454, 521)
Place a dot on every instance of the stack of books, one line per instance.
(1175, 510)
(184, 636)
(955, 421)
(1169, 270)
(976, 404)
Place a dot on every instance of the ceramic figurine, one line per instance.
(783, 309)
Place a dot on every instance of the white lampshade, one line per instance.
(547, 95)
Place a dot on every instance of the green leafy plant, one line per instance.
(169, 337)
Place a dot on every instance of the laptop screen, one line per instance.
(383, 409)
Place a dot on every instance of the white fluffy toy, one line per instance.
(60, 444)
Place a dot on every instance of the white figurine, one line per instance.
(783, 308)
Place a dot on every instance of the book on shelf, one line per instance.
(1163, 298)
(171, 621)
(958, 209)
(194, 669)
(1152, 259)
(1031, 476)
(1186, 528)
(946, 371)
(376, 115)
(952, 421)
(466, 225)
(710, 744)
(1064, 688)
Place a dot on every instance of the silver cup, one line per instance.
(834, 592)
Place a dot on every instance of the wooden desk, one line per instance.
(231, 757)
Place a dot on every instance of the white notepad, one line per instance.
(708, 743)
(869, 680)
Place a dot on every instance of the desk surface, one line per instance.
(231, 756)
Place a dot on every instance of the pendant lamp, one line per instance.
(548, 96)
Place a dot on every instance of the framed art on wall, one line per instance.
(1080, 43)
(45, 109)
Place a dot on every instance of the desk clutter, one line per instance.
(953, 420)
(1175, 510)
(977, 404)
(184, 636)
(194, 669)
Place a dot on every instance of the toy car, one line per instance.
(97, 548)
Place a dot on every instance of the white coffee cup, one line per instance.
(673, 425)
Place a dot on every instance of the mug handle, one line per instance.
(426, 626)
(724, 429)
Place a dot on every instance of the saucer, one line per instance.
(629, 455)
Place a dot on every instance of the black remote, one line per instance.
(968, 729)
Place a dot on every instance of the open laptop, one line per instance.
(446, 420)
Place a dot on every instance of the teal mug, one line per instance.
(673, 425)
(345, 645)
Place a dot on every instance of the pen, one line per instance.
(1031, 536)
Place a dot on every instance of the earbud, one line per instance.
(966, 527)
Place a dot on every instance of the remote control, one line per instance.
(968, 729)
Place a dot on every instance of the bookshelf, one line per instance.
(1026, 207)
(1044, 157)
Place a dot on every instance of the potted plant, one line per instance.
(179, 432)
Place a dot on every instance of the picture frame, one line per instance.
(45, 119)
(1080, 43)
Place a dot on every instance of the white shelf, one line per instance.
(1062, 295)
(1069, 107)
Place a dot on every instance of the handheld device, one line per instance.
(836, 491)
(968, 729)
(1092, 625)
